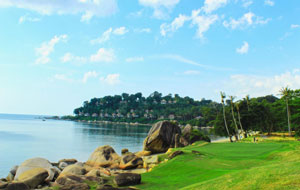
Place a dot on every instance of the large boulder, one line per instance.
(161, 137)
(76, 179)
(94, 173)
(69, 179)
(80, 186)
(130, 161)
(68, 161)
(186, 132)
(17, 186)
(13, 170)
(126, 179)
(33, 177)
(36, 163)
(143, 153)
(191, 135)
(3, 184)
(103, 156)
(74, 170)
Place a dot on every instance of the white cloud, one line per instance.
(111, 79)
(87, 16)
(175, 25)
(161, 7)
(134, 59)
(212, 5)
(88, 8)
(201, 18)
(142, 30)
(244, 49)
(293, 26)
(107, 34)
(47, 48)
(27, 18)
(269, 3)
(120, 31)
(191, 72)
(103, 55)
(248, 19)
(62, 77)
(203, 23)
(68, 57)
(257, 85)
(90, 74)
(136, 14)
(247, 3)
(104, 37)
(181, 59)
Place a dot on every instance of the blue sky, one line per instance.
(56, 54)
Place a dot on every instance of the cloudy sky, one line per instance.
(56, 54)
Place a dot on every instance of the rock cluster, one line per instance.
(104, 162)
(167, 134)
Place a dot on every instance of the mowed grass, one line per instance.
(244, 165)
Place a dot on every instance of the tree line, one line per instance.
(155, 107)
(265, 114)
(232, 118)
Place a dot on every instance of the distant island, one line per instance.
(228, 118)
(135, 108)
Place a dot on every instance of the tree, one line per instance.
(223, 96)
(237, 105)
(248, 102)
(234, 120)
(285, 93)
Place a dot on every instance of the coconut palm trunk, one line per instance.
(286, 94)
(224, 115)
(288, 116)
(234, 120)
(239, 117)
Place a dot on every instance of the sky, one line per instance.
(56, 54)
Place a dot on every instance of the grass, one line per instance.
(269, 164)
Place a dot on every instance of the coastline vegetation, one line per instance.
(230, 118)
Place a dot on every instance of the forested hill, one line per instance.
(265, 114)
(137, 108)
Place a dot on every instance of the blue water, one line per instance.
(27, 136)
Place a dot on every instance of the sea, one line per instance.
(28, 136)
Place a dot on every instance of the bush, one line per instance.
(197, 135)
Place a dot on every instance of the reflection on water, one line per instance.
(26, 137)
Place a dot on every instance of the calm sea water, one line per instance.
(26, 136)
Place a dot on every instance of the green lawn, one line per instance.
(243, 165)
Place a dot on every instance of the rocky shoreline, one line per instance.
(105, 169)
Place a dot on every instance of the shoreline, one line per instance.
(107, 122)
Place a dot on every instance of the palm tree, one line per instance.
(285, 92)
(223, 96)
(234, 120)
(237, 105)
(248, 102)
